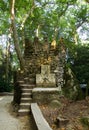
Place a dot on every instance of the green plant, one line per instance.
(85, 121)
(5, 87)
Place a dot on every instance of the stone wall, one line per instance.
(45, 96)
(36, 54)
(47, 86)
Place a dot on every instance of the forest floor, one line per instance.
(75, 115)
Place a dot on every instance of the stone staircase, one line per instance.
(26, 95)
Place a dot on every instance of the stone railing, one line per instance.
(40, 121)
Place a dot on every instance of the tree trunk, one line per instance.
(15, 36)
(7, 61)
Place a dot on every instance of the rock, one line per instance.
(61, 121)
(55, 104)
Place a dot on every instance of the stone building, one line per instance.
(42, 79)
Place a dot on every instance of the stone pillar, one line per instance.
(61, 63)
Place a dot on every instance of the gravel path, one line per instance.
(8, 120)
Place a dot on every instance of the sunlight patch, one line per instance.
(1, 98)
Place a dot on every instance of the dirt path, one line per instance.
(9, 121)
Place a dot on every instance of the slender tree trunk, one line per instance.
(15, 36)
(23, 37)
(27, 15)
(7, 61)
(24, 21)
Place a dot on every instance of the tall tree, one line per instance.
(15, 35)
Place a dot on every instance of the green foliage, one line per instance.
(5, 81)
(81, 63)
(5, 84)
(60, 15)
(63, 15)
(85, 121)
(5, 87)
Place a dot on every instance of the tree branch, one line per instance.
(26, 16)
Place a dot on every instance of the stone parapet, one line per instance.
(45, 95)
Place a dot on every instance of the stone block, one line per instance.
(45, 95)
(62, 121)
(45, 79)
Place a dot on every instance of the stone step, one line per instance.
(23, 112)
(27, 85)
(20, 81)
(26, 90)
(26, 78)
(25, 105)
(29, 79)
(23, 88)
(26, 100)
(32, 80)
(26, 95)
(30, 76)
